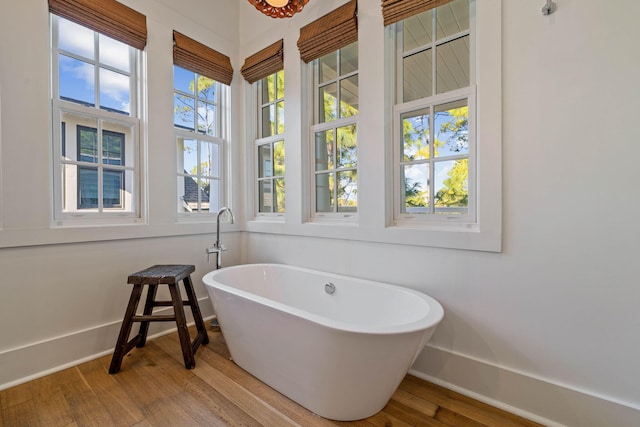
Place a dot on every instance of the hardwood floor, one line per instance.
(154, 389)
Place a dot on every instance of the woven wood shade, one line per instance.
(263, 63)
(397, 10)
(107, 17)
(194, 56)
(334, 30)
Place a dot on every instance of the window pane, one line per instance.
(347, 147)
(451, 123)
(87, 188)
(452, 65)
(268, 120)
(349, 59)
(265, 196)
(114, 91)
(188, 153)
(415, 145)
(417, 76)
(184, 112)
(327, 103)
(280, 118)
(112, 186)
(77, 81)
(417, 31)
(206, 186)
(328, 67)
(324, 192)
(210, 159)
(206, 88)
(183, 80)
(75, 38)
(214, 195)
(268, 89)
(112, 148)
(114, 53)
(264, 161)
(280, 84)
(416, 188)
(278, 158)
(349, 96)
(279, 199)
(206, 118)
(347, 191)
(451, 186)
(452, 18)
(324, 150)
(87, 144)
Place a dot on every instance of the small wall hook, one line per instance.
(549, 8)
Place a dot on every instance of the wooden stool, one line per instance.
(154, 276)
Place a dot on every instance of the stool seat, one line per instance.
(169, 275)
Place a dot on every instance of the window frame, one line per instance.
(400, 107)
(132, 213)
(269, 140)
(317, 126)
(221, 97)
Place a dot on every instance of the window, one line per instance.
(201, 77)
(96, 121)
(200, 149)
(270, 144)
(335, 83)
(434, 148)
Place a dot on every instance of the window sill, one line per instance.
(473, 237)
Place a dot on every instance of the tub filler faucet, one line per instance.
(218, 247)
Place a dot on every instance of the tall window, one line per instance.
(199, 147)
(270, 144)
(201, 77)
(434, 113)
(335, 80)
(96, 122)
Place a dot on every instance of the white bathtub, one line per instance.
(340, 355)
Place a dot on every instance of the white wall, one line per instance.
(549, 326)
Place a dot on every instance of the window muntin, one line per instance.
(336, 104)
(270, 146)
(434, 116)
(96, 123)
(200, 149)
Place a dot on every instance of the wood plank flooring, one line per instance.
(154, 389)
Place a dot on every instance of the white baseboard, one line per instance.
(26, 363)
(537, 399)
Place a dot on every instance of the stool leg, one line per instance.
(197, 315)
(181, 322)
(148, 309)
(125, 330)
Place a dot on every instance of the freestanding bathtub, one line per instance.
(337, 345)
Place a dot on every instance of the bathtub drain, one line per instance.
(329, 288)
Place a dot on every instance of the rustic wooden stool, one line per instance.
(154, 276)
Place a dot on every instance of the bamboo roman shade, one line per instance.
(329, 33)
(397, 10)
(263, 63)
(107, 17)
(194, 56)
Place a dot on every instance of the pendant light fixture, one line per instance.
(279, 8)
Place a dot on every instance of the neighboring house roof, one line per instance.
(190, 198)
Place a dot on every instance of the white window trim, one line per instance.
(485, 232)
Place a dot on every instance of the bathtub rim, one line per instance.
(424, 323)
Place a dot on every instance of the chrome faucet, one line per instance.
(218, 247)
